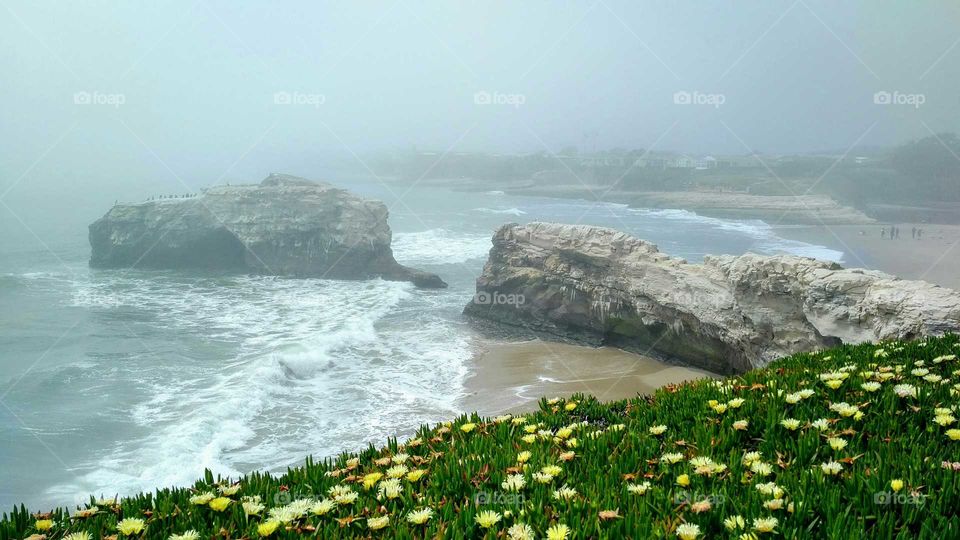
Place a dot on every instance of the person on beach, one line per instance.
(913, 232)
(883, 232)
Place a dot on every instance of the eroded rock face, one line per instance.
(726, 315)
(283, 226)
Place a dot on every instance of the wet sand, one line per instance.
(512, 377)
(934, 258)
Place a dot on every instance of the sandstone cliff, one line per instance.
(728, 314)
(284, 226)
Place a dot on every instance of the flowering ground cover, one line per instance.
(854, 442)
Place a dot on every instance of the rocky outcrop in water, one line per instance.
(283, 226)
(728, 314)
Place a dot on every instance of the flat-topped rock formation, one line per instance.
(285, 225)
(726, 315)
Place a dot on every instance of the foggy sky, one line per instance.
(198, 82)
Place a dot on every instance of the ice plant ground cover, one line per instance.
(854, 442)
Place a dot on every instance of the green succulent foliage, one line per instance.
(623, 487)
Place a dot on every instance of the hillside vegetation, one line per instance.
(855, 442)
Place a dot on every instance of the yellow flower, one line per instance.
(529, 439)
(416, 474)
(834, 383)
(323, 506)
(219, 504)
(398, 471)
(267, 527)
(683, 480)
(688, 531)
(552, 470)
(130, 526)
(735, 403)
(790, 423)
(467, 428)
(953, 434)
(523, 457)
(487, 518)
(370, 480)
(896, 485)
(944, 419)
(229, 490)
(733, 523)
(837, 443)
(43, 524)
(570, 406)
(558, 532)
(657, 430)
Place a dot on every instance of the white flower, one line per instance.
(831, 468)
(765, 525)
(514, 482)
(390, 488)
(520, 531)
(733, 523)
(822, 424)
(657, 430)
(638, 489)
(420, 516)
(671, 457)
(565, 493)
(905, 390)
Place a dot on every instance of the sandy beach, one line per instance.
(512, 377)
(935, 257)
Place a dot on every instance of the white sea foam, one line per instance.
(440, 246)
(767, 240)
(505, 211)
(319, 367)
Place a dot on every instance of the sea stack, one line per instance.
(286, 226)
(727, 315)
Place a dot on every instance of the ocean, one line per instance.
(117, 381)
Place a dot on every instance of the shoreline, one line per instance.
(934, 258)
(511, 377)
